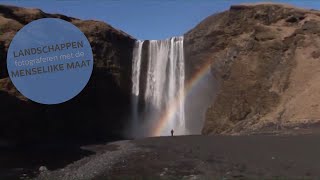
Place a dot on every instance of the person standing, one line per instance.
(172, 132)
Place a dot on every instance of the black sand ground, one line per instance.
(24, 162)
(200, 157)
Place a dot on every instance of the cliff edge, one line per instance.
(266, 59)
(98, 112)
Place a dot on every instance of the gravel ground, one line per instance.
(200, 157)
(89, 167)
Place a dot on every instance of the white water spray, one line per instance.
(165, 78)
(136, 64)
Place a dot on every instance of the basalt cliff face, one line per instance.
(266, 60)
(95, 114)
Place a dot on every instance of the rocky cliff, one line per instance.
(96, 113)
(266, 59)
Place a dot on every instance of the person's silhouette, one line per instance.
(172, 132)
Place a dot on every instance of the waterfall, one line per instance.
(165, 76)
(136, 64)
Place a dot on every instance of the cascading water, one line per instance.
(136, 64)
(165, 76)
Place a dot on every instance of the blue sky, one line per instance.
(145, 19)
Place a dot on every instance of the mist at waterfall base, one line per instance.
(158, 91)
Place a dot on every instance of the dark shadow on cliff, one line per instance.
(97, 114)
(34, 135)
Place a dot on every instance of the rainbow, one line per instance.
(171, 109)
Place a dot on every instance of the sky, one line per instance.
(145, 19)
